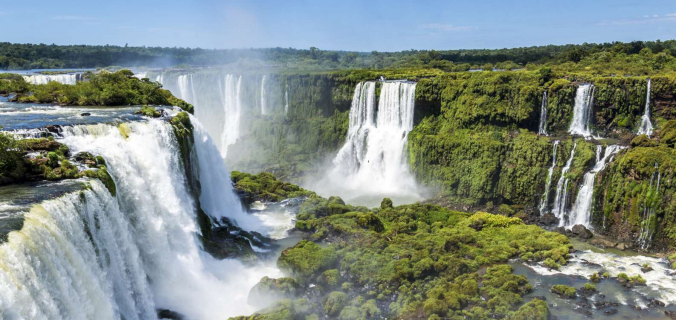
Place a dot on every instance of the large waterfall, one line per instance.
(90, 255)
(46, 78)
(581, 211)
(561, 197)
(224, 102)
(582, 111)
(648, 218)
(542, 128)
(544, 202)
(646, 126)
(373, 160)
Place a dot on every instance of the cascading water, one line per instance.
(646, 126)
(561, 197)
(90, 255)
(581, 211)
(582, 111)
(650, 203)
(286, 100)
(542, 129)
(373, 161)
(232, 112)
(545, 197)
(46, 78)
(186, 89)
(264, 107)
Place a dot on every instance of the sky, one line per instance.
(352, 25)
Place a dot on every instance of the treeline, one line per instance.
(657, 55)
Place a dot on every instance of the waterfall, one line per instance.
(46, 78)
(372, 160)
(646, 126)
(562, 188)
(219, 100)
(264, 109)
(286, 99)
(542, 130)
(581, 211)
(582, 111)
(89, 255)
(141, 75)
(648, 218)
(186, 90)
(545, 197)
(232, 110)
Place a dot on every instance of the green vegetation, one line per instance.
(265, 187)
(638, 57)
(148, 111)
(564, 291)
(101, 89)
(411, 261)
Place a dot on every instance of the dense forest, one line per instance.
(612, 55)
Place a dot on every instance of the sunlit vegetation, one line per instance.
(411, 261)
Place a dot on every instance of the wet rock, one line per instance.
(582, 231)
(610, 312)
(85, 114)
(168, 314)
(548, 219)
(602, 243)
(584, 303)
(670, 314)
(605, 304)
(584, 312)
(621, 246)
(646, 268)
(53, 128)
(654, 303)
(543, 298)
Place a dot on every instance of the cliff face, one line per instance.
(475, 141)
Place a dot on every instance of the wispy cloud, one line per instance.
(73, 18)
(641, 20)
(445, 27)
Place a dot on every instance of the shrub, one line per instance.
(564, 291)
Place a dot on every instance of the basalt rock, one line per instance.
(548, 219)
(581, 231)
(602, 243)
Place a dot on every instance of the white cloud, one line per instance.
(445, 27)
(646, 19)
(73, 18)
(671, 14)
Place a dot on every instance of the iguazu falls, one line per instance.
(440, 160)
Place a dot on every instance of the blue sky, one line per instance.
(343, 25)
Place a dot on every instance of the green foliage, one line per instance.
(427, 257)
(102, 89)
(12, 164)
(564, 291)
(533, 310)
(588, 287)
(265, 187)
(148, 111)
(334, 303)
(305, 259)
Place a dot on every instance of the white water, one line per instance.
(186, 89)
(581, 211)
(646, 126)
(264, 108)
(659, 283)
(373, 160)
(140, 75)
(582, 111)
(542, 129)
(561, 197)
(232, 112)
(144, 253)
(286, 100)
(45, 78)
(545, 197)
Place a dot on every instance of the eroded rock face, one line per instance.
(548, 219)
